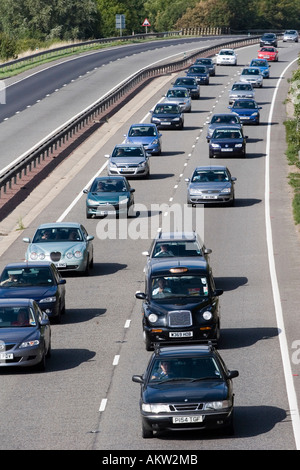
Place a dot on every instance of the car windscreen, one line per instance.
(127, 152)
(197, 70)
(226, 134)
(168, 109)
(225, 119)
(185, 368)
(214, 176)
(142, 131)
(244, 104)
(179, 286)
(108, 185)
(176, 248)
(250, 72)
(25, 277)
(16, 317)
(61, 234)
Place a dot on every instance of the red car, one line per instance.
(268, 52)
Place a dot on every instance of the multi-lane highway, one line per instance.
(86, 399)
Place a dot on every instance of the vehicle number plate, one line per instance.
(226, 150)
(107, 212)
(165, 123)
(210, 197)
(181, 334)
(4, 356)
(60, 265)
(187, 419)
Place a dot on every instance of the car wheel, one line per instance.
(146, 432)
(87, 268)
(41, 366)
(229, 429)
(148, 343)
(88, 216)
(48, 354)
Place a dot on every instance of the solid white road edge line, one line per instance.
(292, 398)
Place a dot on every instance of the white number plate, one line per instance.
(181, 334)
(187, 419)
(4, 356)
(210, 197)
(226, 150)
(165, 123)
(60, 265)
(107, 212)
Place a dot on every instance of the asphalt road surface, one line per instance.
(86, 400)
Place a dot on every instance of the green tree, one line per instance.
(163, 14)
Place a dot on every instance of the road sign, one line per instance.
(146, 22)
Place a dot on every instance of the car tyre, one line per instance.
(146, 432)
(148, 344)
(41, 366)
(87, 268)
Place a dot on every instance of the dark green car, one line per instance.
(109, 195)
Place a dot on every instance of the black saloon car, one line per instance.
(200, 73)
(209, 63)
(186, 388)
(39, 281)
(268, 39)
(190, 84)
(25, 334)
(180, 303)
(227, 141)
(167, 115)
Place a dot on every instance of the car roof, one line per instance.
(59, 224)
(228, 127)
(16, 302)
(179, 351)
(176, 236)
(29, 264)
(211, 167)
(245, 99)
(110, 177)
(131, 144)
(143, 124)
(194, 266)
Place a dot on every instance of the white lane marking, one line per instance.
(127, 324)
(292, 397)
(103, 404)
(116, 360)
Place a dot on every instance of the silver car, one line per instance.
(66, 244)
(129, 160)
(290, 35)
(210, 185)
(181, 97)
(252, 75)
(241, 90)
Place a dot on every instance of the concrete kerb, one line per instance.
(42, 195)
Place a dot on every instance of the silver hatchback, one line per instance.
(129, 160)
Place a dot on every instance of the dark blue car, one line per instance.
(200, 73)
(247, 110)
(38, 281)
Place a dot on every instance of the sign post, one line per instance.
(146, 23)
(120, 23)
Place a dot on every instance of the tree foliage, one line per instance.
(30, 21)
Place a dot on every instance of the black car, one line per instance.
(39, 281)
(200, 73)
(167, 115)
(190, 84)
(209, 63)
(180, 303)
(268, 39)
(227, 141)
(25, 334)
(186, 388)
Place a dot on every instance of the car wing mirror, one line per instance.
(218, 292)
(85, 191)
(187, 180)
(232, 374)
(140, 295)
(207, 251)
(62, 281)
(132, 190)
(138, 379)
(26, 240)
(145, 253)
(90, 238)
